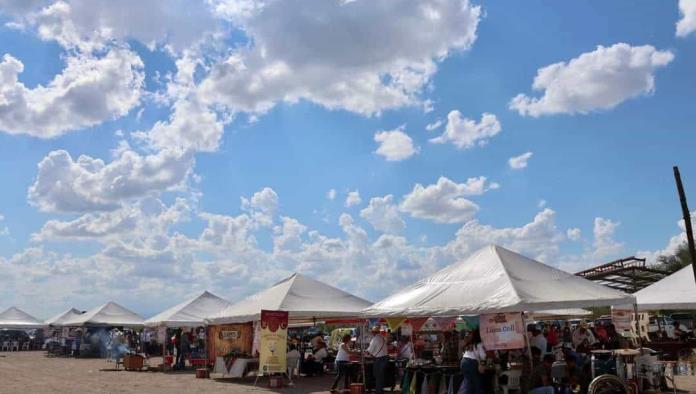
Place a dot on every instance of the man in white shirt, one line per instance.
(538, 340)
(583, 339)
(378, 350)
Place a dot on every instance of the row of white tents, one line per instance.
(491, 280)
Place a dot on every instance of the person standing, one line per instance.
(184, 349)
(473, 358)
(538, 340)
(378, 350)
(343, 364)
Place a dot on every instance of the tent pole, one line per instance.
(527, 342)
(362, 351)
(637, 317)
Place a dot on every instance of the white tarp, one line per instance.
(60, 318)
(303, 298)
(109, 314)
(494, 279)
(677, 291)
(561, 313)
(16, 318)
(191, 313)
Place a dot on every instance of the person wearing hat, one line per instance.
(378, 350)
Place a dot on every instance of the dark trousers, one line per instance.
(378, 369)
(180, 358)
(343, 369)
(471, 383)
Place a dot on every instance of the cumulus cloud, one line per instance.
(687, 24)
(434, 126)
(574, 234)
(604, 244)
(519, 162)
(89, 184)
(597, 80)
(383, 215)
(353, 198)
(331, 194)
(445, 201)
(262, 206)
(90, 90)
(673, 243)
(466, 133)
(395, 145)
(320, 52)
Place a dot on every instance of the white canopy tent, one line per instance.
(191, 313)
(676, 291)
(494, 279)
(15, 318)
(305, 299)
(62, 317)
(561, 313)
(109, 314)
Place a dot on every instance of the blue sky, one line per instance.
(221, 140)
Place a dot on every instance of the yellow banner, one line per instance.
(273, 343)
(394, 322)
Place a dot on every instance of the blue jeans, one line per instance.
(378, 369)
(471, 384)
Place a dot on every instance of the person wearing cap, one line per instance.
(378, 350)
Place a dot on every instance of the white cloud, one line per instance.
(538, 239)
(383, 215)
(673, 243)
(353, 198)
(597, 80)
(395, 145)
(91, 24)
(445, 202)
(574, 234)
(542, 203)
(90, 90)
(323, 52)
(465, 133)
(605, 246)
(687, 24)
(89, 184)
(262, 206)
(331, 194)
(434, 126)
(519, 162)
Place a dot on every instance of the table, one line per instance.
(238, 368)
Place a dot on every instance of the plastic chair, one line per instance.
(513, 380)
(15, 346)
(5, 346)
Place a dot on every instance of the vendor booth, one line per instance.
(676, 291)
(62, 317)
(499, 286)
(108, 331)
(14, 323)
(56, 336)
(190, 317)
(304, 301)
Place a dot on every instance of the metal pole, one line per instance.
(362, 351)
(687, 219)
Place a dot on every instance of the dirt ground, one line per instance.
(33, 372)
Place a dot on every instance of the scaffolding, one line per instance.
(629, 274)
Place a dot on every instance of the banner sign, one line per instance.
(274, 342)
(502, 331)
(229, 335)
(622, 320)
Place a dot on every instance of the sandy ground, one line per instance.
(32, 372)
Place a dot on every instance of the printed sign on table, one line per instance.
(274, 340)
(502, 331)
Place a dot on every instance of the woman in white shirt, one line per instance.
(343, 364)
(474, 355)
(406, 348)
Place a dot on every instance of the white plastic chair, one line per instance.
(14, 346)
(513, 380)
(25, 345)
(5, 346)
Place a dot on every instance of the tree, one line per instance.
(680, 259)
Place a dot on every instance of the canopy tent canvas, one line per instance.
(62, 317)
(109, 314)
(18, 319)
(494, 279)
(552, 314)
(191, 313)
(676, 291)
(305, 299)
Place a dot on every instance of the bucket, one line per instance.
(169, 360)
(275, 382)
(202, 373)
(357, 388)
